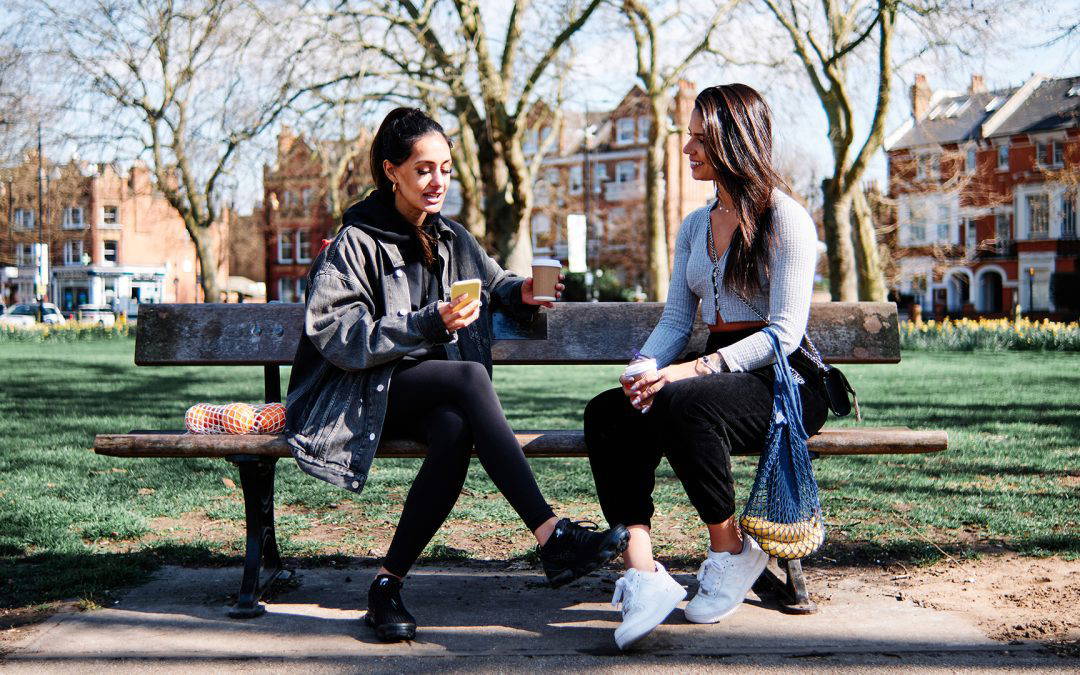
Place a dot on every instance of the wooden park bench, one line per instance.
(266, 335)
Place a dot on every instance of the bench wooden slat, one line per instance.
(571, 333)
(547, 443)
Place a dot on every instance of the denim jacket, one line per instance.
(358, 324)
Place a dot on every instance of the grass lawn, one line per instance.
(75, 525)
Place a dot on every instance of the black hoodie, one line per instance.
(377, 215)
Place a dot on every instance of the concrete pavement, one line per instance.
(484, 617)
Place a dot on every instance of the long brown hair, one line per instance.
(738, 145)
(393, 142)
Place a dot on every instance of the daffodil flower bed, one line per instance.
(965, 335)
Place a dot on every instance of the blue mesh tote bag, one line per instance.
(783, 512)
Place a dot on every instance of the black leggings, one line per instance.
(450, 406)
(698, 423)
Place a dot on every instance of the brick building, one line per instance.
(986, 192)
(295, 212)
(614, 143)
(113, 238)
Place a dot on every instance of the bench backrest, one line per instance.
(571, 333)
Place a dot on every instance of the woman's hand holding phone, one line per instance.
(459, 312)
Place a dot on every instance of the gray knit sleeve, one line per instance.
(671, 334)
(792, 260)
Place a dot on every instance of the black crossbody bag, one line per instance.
(834, 383)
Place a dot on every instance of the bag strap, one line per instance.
(812, 353)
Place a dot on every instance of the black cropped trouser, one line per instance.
(697, 423)
(452, 406)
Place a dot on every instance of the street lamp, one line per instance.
(1031, 289)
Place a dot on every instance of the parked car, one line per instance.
(25, 314)
(99, 314)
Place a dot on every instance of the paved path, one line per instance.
(484, 618)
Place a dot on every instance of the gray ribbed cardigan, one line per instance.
(784, 298)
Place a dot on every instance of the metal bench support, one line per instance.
(257, 481)
(790, 595)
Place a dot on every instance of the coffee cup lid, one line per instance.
(546, 262)
(639, 367)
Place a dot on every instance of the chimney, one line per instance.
(978, 86)
(285, 140)
(920, 97)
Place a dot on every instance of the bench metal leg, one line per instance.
(791, 594)
(257, 481)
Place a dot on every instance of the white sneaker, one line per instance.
(647, 599)
(724, 580)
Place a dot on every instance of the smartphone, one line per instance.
(469, 287)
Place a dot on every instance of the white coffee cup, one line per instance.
(545, 276)
(636, 370)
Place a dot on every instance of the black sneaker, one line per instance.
(386, 613)
(577, 548)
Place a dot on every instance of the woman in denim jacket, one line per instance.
(386, 353)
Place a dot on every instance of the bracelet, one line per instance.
(708, 364)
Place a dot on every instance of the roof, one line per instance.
(952, 119)
(1049, 107)
(1037, 105)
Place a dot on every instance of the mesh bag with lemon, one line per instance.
(235, 418)
(783, 512)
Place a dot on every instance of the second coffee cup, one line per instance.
(545, 275)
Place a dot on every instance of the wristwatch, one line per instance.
(720, 366)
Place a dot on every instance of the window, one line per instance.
(542, 236)
(23, 219)
(918, 224)
(303, 245)
(112, 250)
(286, 290)
(301, 289)
(24, 255)
(305, 197)
(73, 218)
(624, 130)
(1038, 213)
(1037, 287)
(530, 143)
(73, 250)
(288, 199)
(1001, 232)
(643, 125)
(943, 223)
(969, 163)
(552, 176)
(545, 133)
(1068, 215)
(1003, 157)
(599, 177)
(110, 215)
(575, 179)
(970, 237)
(1059, 153)
(285, 246)
(926, 166)
(625, 172)
(1042, 153)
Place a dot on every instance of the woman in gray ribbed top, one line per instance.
(748, 260)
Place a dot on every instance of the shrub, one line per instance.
(70, 332)
(607, 285)
(965, 335)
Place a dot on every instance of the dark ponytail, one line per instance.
(393, 142)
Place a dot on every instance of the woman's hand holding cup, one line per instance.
(459, 312)
(640, 370)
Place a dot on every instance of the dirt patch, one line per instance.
(1009, 596)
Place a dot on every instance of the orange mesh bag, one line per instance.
(235, 418)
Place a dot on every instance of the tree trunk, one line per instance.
(208, 267)
(871, 275)
(655, 221)
(843, 285)
(468, 176)
(518, 256)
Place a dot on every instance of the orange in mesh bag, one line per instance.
(235, 418)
